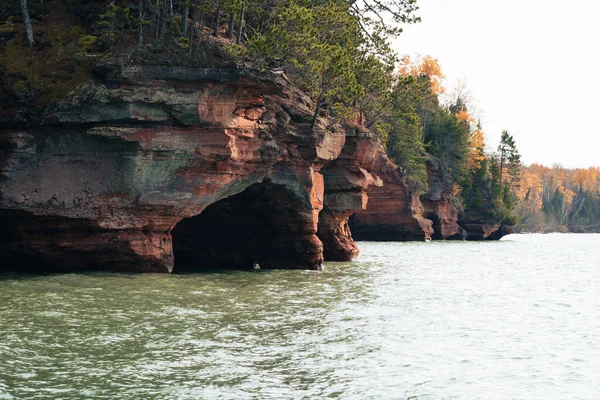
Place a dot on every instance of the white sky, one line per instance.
(531, 66)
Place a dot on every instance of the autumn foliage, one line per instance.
(559, 199)
(427, 66)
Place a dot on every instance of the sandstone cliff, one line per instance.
(147, 168)
(395, 213)
(150, 167)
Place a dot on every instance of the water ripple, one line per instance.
(519, 318)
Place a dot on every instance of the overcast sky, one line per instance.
(532, 67)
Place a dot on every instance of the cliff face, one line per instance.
(448, 222)
(438, 206)
(478, 228)
(347, 180)
(393, 212)
(153, 167)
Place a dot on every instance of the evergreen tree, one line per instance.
(319, 44)
(510, 161)
(405, 123)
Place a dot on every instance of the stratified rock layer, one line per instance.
(155, 167)
(448, 222)
(152, 168)
(347, 179)
(393, 212)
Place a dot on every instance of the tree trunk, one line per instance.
(140, 27)
(201, 27)
(27, 22)
(241, 24)
(231, 25)
(186, 13)
(217, 18)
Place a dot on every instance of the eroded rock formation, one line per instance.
(150, 168)
(438, 206)
(393, 212)
(448, 222)
(477, 228)
(347, 179)
(154, 166)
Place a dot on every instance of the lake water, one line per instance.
(514, 319)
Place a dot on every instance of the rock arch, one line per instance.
(267, 223)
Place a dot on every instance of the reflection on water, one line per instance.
(519, 318)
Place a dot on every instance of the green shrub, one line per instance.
(184, 42)
(86, 42)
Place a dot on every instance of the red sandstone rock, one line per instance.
(393, 212)
(347, 179)
(118, 169)
(199, 168)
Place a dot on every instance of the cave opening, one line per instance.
(264, 224)
(437, 226)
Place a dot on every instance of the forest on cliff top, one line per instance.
(338, 51)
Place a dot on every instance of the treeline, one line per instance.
(352, 72)
(559, 199)
(479, 181)
(338, 51)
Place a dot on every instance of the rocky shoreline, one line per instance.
(151, 168)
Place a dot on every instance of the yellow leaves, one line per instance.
(588, 179)
(476, 149)
(569, 195)
(431, 66)
(538, 179)
(531, 188)
(426, 65)
(477, 140)
(465, 116)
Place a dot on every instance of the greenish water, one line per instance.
(519, 318)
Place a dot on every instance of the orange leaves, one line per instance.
(531, 188)
(465, 116)
(539, 179)
(588, 179)
(426, 65)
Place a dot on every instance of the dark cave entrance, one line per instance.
(265, 223)
(437, 226)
